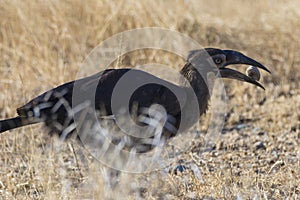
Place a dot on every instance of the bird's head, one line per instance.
(217, 60)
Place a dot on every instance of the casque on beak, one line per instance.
(234, 57)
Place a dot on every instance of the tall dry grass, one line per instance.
(42, 44)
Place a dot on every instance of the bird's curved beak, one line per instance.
(234, 57)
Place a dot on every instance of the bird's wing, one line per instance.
(142, 88)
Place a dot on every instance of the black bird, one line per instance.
(56, 107)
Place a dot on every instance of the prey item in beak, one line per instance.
(233, 74)
(234, 57)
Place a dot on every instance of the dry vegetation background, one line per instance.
(42, 43)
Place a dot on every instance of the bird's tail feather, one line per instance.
(15, 122)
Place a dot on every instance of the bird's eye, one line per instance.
(218, 60)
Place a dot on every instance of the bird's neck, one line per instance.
(198, 84)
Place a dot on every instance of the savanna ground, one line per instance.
(257, 156)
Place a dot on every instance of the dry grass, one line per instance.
(42, 44)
